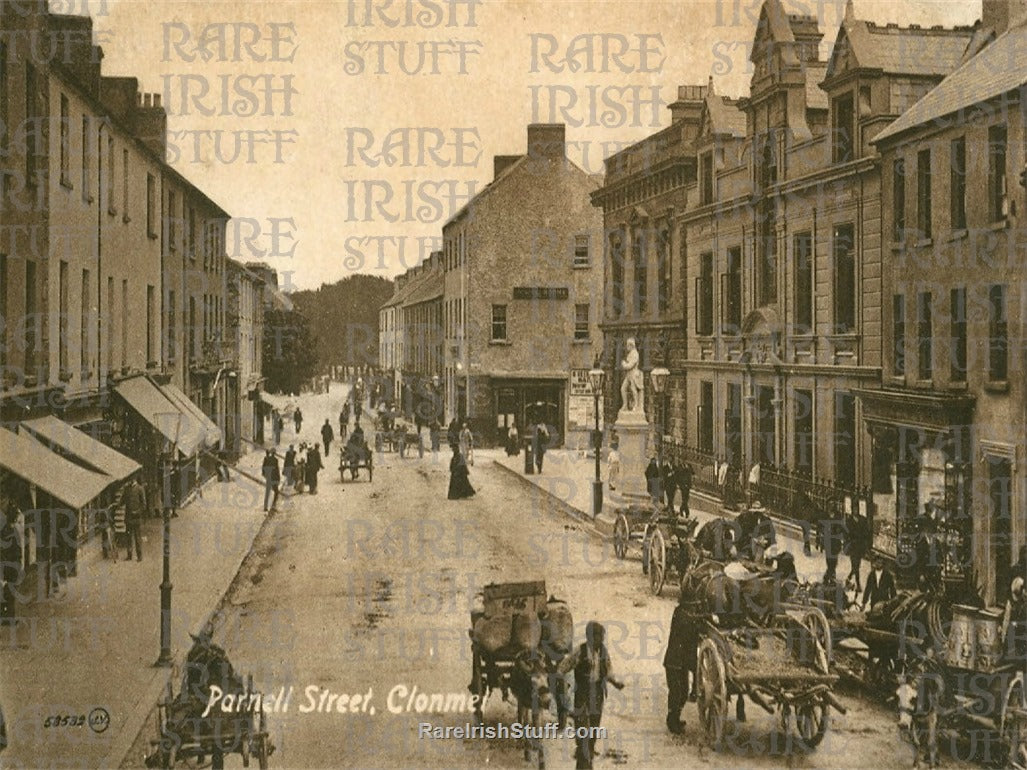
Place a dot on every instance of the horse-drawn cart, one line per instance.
(354, 456)
(781, 667)
(662, 536)
(190, 733)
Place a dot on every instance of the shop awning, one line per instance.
(283, 404)
(85, 449)
(163, 414)
(62, 479)
(200, 421)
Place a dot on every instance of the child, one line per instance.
(613, 474)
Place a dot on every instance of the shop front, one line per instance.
(922, 481)
(529, 401)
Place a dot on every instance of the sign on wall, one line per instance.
(540, 292)
(581, 403)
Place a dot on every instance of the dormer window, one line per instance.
(843, 128)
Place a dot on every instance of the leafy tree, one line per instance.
(344, 317)
(290, 350)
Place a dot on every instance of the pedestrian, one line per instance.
(613, 466)
(754, 481)
(652, 480)
(880, 585)
(806, 513)
(459, 482)
(678, 662)
(314, 466)
(858, 532)
(288, 465)
(453, 435)
(539, 444)
(435, 432)
(327, 434)
(684, 482)
(299, 475)
(135, 503)
(592, 671)
(667, 483)
(833, 526)
(297, 418)
(11, 556)
(106, 523)
(276, 426)
(467, 444)
(272, 478)
(358, 410)
(513, 446)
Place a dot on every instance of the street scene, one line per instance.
(442, 383)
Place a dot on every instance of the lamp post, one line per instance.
(168, 503)
(659, 376)
(595, 379)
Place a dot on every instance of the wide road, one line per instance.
(367, 587)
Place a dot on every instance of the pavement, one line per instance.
(567, 477)
(91, 649)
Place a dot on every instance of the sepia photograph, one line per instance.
(513, 383)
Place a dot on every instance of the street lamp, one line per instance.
(659, 376)
(168, 504)
(595, 379)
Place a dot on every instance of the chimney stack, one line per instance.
(1000, 14)
(501, 162)
(546, 140)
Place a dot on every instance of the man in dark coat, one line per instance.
(344, 422)
(459, 483)
(453, 435)
(135, 504)
(857, 546)
(297, 418)
(288, 465)
(314, 465)
(592, 670)
(670, 483)
(683, 478)
(272, 477)
(678, 662)
(880, 584)
(539, 444)
(652, 480)
(834, 536)
(327, 434)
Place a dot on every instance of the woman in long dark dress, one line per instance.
(459, 485)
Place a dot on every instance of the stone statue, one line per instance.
(631, 387)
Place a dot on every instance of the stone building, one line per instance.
(244, 317)
(782, 233)
(645, 286)
(949, 423)
(521, 277)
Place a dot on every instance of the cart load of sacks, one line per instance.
(512, 629)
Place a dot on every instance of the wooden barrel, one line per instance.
(961, 649)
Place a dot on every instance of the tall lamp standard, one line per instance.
(168, 505)
(659, 376)
(595, 379)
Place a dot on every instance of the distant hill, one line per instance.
(344, 317)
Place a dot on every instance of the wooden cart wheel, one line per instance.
(1014, 726)
(657, 562)
(815, 620)
(811, 722)
(262, 752)
(477, 686)
(620, 536)
(712, 692)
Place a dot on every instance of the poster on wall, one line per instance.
(581, 403)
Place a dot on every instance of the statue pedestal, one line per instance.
(633, 435)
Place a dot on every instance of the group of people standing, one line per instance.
(664, 482)
(299, 469)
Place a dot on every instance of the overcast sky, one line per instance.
(476, 76)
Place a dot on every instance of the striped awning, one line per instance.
(60, 478)
(84, 448)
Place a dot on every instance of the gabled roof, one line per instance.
(429, 287)
(899, 50)
(999, 68)
(722, 115)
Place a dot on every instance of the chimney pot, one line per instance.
(156, 100)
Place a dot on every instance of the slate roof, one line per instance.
(428, 285)
(907, 50)
(999, 68)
